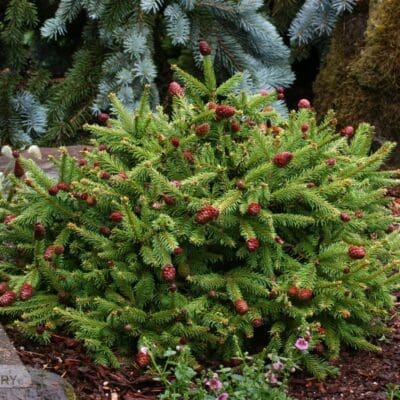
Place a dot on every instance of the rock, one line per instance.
(20, 383)
(45, 386)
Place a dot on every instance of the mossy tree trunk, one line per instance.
(360, 79)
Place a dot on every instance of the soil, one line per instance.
(363, 375)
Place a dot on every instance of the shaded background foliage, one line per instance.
(60, 59)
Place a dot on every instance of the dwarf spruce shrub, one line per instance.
(204, 225)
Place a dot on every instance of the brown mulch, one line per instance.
(363, 375)
(66, 357)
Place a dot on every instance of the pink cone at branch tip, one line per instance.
(282, 159)
(175, 89)
(103, 117)
(347, 131)
(304, 103)
(301, 344)
(225, 111)
(204, 47)
(223, 396)
(356, 252)
(263, 92)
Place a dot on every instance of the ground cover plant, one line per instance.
(203, 228)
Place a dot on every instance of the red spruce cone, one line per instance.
(330, 162)
(304, 103)
(224, 111)
(392, 227)
(40, 329)
(202, 129)
(175, 89)
(63, 186)
(9, 218)
(252, 244)
(178, 250)
(102, 147)
(53, 190)
(7, 298)
(310, 185)
(204, 47)
(257, 322)
(116, 216)
(253, 209)
(356, 252)
(188, 156)
(15, 154)
(293, 291)
(345, 217)
(235, 126)
(241, 306)
(169, 200)
(105, 175)
(347, 131)
(18, 170)
(305, 127)
(305, 294)
(105, 230)
(91, 201)
(282, 159)
(206, 214)
(103, 117)
(39, 231)
(240, 184)
(49, 252)
(26, 291)
(358, 213)
(142, 359)
(168, 273)
(3, 287)
(82, 162)
(175, 141)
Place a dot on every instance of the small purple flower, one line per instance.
(213, 384)
(273, 379)
(277, 366)
(301, 344)
(223, 396)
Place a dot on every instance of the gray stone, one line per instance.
(20, 383)
(45, 386)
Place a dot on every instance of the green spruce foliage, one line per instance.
(203, 227)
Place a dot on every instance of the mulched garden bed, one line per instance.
(363, 375)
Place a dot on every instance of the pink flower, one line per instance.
(301, 344)
(273, 379)
(277, 366)
(214, 383)
(223, 396)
